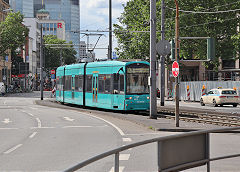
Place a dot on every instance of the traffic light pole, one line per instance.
(177, 59)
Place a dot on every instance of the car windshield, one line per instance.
(229, 92)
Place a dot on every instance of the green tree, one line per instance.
(12, 33)
(52, 55)
(221, 26)
(236, 42)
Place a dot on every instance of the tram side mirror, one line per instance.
(116, 76)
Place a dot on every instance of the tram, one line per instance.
(115, 85)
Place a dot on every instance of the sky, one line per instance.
(94, 15)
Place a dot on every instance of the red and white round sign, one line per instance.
(52, 71)
(175, 69)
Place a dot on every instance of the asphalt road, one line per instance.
(42, 138)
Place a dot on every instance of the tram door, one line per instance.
(95, 87)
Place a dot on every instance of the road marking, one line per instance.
(42, 127)
(9, 128)
(83, 126)
(124, 157)
(77, 126)
(32, 135)
(4, 102)
(117, 128)
(127, 139)
(39, 123)
(69, 119)
(13, 149)
(121, 168)
(33, 108)
(6, 121)
(30, 114)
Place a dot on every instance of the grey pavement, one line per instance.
(159, 124)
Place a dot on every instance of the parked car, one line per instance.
(220, 97)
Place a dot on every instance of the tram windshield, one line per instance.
(137, 78)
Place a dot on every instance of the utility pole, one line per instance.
(41, 62)
(162, 59)
(177, 59)
(110, 30)
(153, 98)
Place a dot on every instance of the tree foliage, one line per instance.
(53, 55)
(236, 42)
(12, 32)
(221, 26)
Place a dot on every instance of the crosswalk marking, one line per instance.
(127, 139)
(121, 168)
(124, 157)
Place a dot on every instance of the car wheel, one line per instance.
(201, 102)
(215, 103)
(234, 105)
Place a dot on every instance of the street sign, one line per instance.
(53, 72)
(175, 69)
(163, 47)
(52, 76)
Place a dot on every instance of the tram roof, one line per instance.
(101, 63)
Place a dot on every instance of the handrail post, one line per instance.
(208, 151)
(159, 149)
(116, 167)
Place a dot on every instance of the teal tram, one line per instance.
(112, 85)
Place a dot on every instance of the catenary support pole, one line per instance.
(153, 98)
(41, 63)
(162, 59)
(177, 59)
(110, 30)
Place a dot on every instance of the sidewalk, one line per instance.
(160, 124)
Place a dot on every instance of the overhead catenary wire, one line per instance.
(205, 12)
(219, 21)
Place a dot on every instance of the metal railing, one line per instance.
(200, 140)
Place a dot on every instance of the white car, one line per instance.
(220, 97)
(2, 88)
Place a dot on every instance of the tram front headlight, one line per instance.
(130, 98)
(148, 97)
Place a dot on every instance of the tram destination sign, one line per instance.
(137, 70)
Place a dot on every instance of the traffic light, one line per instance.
(172, 56)
(211, 50)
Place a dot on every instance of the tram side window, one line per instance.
(121, 84)
(101, 83)
(57, 83)
(89, 83)
(107, 84)
(118, 85)
(79, 83)
(68, 80)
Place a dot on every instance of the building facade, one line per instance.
(66, 10)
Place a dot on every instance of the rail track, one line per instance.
(201, 117)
